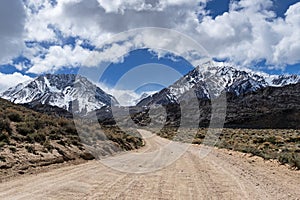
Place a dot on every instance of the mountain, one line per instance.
(270, 107)
(208, 81)
(71, 92)
(143, 96)
(253, 99)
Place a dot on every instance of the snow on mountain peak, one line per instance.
(68, 91)
(210, 79)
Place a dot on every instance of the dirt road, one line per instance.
(219, 175)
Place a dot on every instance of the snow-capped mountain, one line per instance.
(68, 91)
(211, 79)
(143, 96)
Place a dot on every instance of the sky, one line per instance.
(68, 36)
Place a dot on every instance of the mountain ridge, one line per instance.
(212, 78)
(71, 92)
(77, 95)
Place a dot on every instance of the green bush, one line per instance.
(61, 142)
(30, 149)
(48, 146)
(24, 129)
(292, 159)
(55, 137)
(70, 129)
(271, 139)
(38, 124)
(13, 149)
(15, 117)
(36, 137)
(2, 144)
(4, 139)
(2, 159)
(5, 125)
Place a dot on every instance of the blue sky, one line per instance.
(141, 57)
(218, 7)
(60, 36)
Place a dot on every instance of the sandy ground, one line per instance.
(161, 170)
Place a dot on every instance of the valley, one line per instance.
(150, 99)
(66, 124)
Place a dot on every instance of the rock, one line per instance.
(87, 156)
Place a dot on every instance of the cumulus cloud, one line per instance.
(12, 18)
(248, 33)
(10, 80)
(124, 97)
(288, 48)
(57, 57)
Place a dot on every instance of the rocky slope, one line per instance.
(29, 139)
(249, 99)
(208, 81)
(271, 107)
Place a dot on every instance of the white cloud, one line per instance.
(58, 57)
(249, 32)
(288, 48)
(253, 5)
(12, 18)
(119, 6)
(124, 97)
(11, 80)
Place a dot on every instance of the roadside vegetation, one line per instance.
(31, 139)
(280, 144)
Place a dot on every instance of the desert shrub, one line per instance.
(36, 137)
(249, 149)
(271, 139)
(259, 140)
(70, 129)
(61, 142)
(75, 142)
(292, 159)
(49, 122)
(2, 159)
(4, 138)
(13, 149)
(296, 160)
(2, 144)
(294, 139)
(15, 117)
(63, 122)
(5, 125)
(30, 149)
(17, 137)
(38, 124)
(48, 146)
(54, 136)
(24, 128)
(74, 139)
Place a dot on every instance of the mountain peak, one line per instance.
(68, 91)
(210, 79)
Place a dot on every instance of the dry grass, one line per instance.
(30, 137)
(280, 144)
